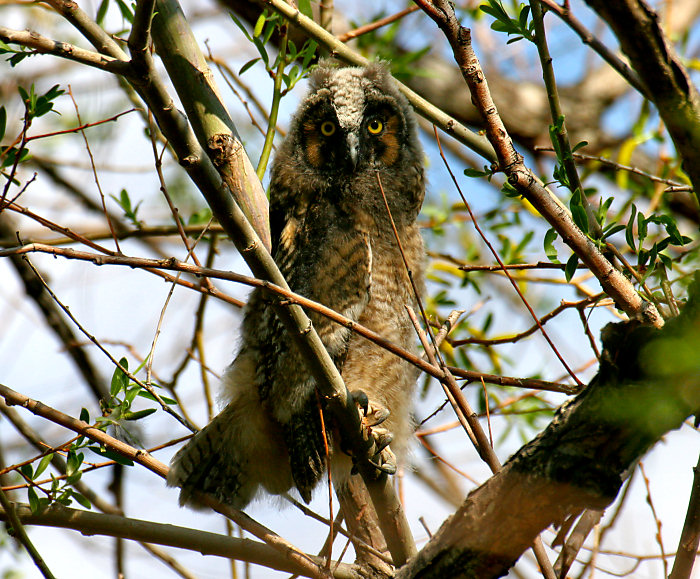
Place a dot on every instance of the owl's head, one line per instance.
(354, 119)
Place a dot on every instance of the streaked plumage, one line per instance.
(332, 239)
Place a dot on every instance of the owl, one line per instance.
(353, 136)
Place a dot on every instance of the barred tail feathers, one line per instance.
(236, 454)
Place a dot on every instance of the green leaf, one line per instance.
(85, 415)
(579, 146)
(34, 503)
(629, 232)
(549, 249)
(305, 8)
(139, 414)
(309, 50)
(641, 228)
(120, 381)
(146, 394)
(102, 12)
(471, 172)
(258, 28)
(126, 12)
(570, 268)
(43, 463)
(73, 461)
(243, 28)
(81, 499)
(111, 455)
(612, 229)
(578, 213)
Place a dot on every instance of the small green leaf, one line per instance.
(126, 12)
(27, 470)
(612, 229)
(120, 381)
(102, 12)
(146, 394)
(259, 24)
(570, 268)
(549, 249)
(73, 462)
(33, 500)
(43, 463)
(305, 8)
(579, 146)
(3, 122)
(243, 28)
(111, 455)
(81, 499)
(471, 172)
(629, 232)
(578, 213)
(85, 415)
(139, 414)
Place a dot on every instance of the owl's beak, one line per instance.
(353, 148)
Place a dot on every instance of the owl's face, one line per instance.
(353, 120)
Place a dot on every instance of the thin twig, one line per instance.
(372, 26)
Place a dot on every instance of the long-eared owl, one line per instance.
(352, 137)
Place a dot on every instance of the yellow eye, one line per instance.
(327, 128)
(375, 126)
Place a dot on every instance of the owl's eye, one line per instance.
(375, 126)
(327, 128)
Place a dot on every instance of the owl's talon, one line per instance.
(361, 399)
(385, 468)
(382, 438)
(376, 415)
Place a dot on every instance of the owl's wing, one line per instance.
(326, 258)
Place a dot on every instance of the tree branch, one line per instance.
(669, 87)
(203, 542)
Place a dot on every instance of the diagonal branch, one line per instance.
(669, 87)
(519, 176)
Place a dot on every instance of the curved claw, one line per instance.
(387, 468)
(382, 438)
(361, 399)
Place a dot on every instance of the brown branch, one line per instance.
(42, 45)
(202, 542)
(372, 26)
(563, 306)
(690, 536)
(289, 298)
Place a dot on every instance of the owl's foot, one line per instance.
(371, 415)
